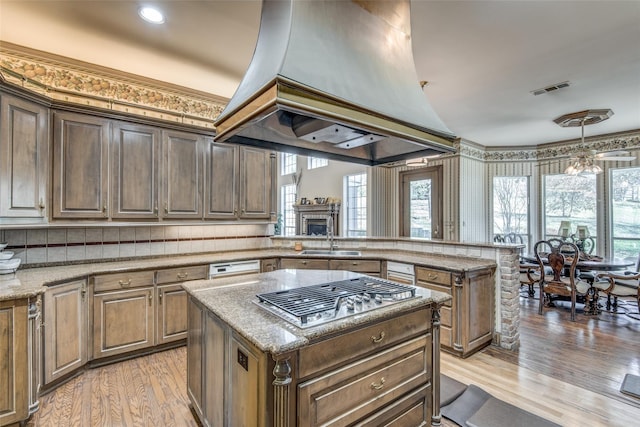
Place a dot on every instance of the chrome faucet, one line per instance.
(330, 232)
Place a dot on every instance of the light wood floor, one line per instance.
(568, 372)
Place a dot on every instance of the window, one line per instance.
(355, 189)
(421, 201)
(572, 199)
(288, 197)
(511, 206)
(625, 212)
(316, 162)
(288, 163)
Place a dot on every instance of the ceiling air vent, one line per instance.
(550, 88)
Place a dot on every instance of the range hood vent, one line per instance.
(335, 79)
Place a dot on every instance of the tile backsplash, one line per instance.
(58, 245)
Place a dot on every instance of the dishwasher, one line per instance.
(235, 268)
(400, 272)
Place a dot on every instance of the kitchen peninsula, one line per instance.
(249, 365)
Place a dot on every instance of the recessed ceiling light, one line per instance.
(151, 14)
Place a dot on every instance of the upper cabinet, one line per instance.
(135, 161)
(182, 174)
(239, 182)
(80, 166)
(24, 158)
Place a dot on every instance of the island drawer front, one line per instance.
(117, 281)
(433, 276)
(347, 394)
(316, 264)
(445, 316)
(180, 274)
(349, 346)
(356, 265)
(412, 410)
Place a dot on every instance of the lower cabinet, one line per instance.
(65, 313)
(14, 366)
(380, 374)
(467, 320)
(123, 321)
(268, 264)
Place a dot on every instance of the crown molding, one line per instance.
(67, 80)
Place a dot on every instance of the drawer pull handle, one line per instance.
(124, 283)
(432, 276)
(378, 386)
(304, 262)
(354, 263)
(183, 275)
(379, 338)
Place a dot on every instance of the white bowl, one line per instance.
(3, 245)
(9, 266)
(4, 255)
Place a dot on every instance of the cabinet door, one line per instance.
(24, 158)
(255, 183)
(134, 168)
(65, 329)
(13, 361)
(221, 183)
(269, 264)
(122, 321)
(182, 175)
(80, 165)
(172, 313)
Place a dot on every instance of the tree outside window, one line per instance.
(625, 212)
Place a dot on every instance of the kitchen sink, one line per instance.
(330, 253)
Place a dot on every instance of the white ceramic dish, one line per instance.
(4, 255)
(3, 245)
(9, 266)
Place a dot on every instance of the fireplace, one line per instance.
(312, 220)
(316, 227)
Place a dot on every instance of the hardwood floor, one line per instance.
(568, 372)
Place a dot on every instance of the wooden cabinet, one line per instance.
(80, 166)
(24, 158)
(182, 175)
(14, 377)
(304, 264)
(467, 319)
(364, 266)
(135, 161)
(380, 374)
(65, 312)
(171, 316)
(240, 182)
(123, 313)
(268, 264)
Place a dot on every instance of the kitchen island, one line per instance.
(248, 366)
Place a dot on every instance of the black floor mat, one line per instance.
(631, 385)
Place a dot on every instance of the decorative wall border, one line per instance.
(76, 82)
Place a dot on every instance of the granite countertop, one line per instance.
(28, 282)
(233, 300)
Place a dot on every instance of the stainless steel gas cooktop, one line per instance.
(314, 305)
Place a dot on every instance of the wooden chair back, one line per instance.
(561, 257)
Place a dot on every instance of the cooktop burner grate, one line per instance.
(310, 300)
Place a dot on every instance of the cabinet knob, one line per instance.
(379, 338)
(304, 262)
(150, 297)
(104, 208)
(166, 208)
(379, 385)
(41, 205)
(160, 297)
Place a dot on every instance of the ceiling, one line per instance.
(482, 59)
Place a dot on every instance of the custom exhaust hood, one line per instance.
(335, 79)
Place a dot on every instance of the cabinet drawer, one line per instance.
(180, 274)
(433, 276)
(349, 346)
(117, 281)
(316, 264)
(445, 316)
(345, 395)
(356, 265)
(412, 410)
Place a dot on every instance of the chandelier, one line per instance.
(583, 164)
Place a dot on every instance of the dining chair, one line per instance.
(561, 258)
(625, 284)
(529, 272)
